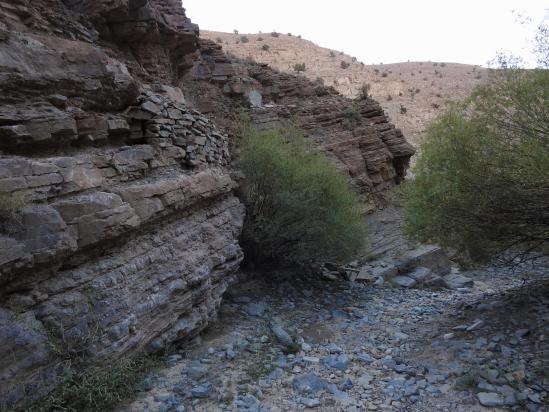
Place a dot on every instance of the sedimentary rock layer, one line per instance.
(119, 223)
(356, 134)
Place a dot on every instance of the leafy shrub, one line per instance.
(275, 34)
(332, 54)
(300, 209)
(344, 65)
(384, 74)
(482, 180)
(265, 47)
(364, 91)
(403, 109)
(352, 116)
(300, 67)
(244, 39)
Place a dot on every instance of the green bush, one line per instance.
(482, 181)
(352, 116)
(300, 67)
(300, 209)
(364, 91)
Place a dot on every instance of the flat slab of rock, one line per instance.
(490, 399)
(403, 281)
(458, 281)
(427, 256)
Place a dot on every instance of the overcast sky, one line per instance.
(388, 31)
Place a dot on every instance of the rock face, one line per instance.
(356, 135)
(126, 234)
(118, 218)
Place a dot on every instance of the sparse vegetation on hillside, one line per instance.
(299, 207)
(265, 47)
(284, 52)
(344, 64)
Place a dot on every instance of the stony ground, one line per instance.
(284, 342)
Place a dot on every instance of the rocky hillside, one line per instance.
(423, 89)
(119, 226)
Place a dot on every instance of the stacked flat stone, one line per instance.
(126, 235)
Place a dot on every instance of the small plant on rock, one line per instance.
(300, 67)
(353, 117)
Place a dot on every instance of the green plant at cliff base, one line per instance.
(300, 209)
(482, 180)
(99, 388)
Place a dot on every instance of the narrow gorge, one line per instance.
(120, 220)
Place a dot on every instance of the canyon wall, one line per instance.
(119, 223)
(355, 134)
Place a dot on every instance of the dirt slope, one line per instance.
(422, 89)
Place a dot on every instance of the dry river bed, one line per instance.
(285, 343)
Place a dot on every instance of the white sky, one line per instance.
(388, 31)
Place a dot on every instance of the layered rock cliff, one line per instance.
(119, 221)
(126, 237)
(355, 134)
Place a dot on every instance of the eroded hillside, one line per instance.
(423, 89)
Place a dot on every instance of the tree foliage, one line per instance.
(482, 180)
(299, 207)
